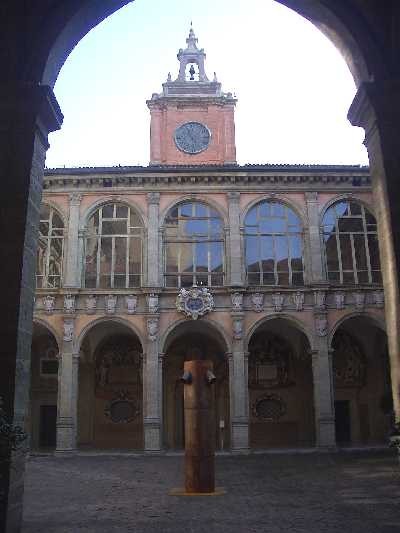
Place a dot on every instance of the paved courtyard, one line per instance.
(304, 493)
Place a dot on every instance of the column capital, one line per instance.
(75, 199)
(21, 100)
(233, 196)
(376, 103)
(153, 198)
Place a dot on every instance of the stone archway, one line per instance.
(187, 338)
(281, 405)
(42, 416)
(110, 405)
(362, 386)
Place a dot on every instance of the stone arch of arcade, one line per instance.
(361, 382)
(110, 387)
(42, 414)
(30, 69)
(192, 339)
(280, 386)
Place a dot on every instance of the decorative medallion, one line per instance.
(152, 328)
(321, 325)
(237, 301)
(359, 300)
(122, 409)
(68, 327)
(111, 303)
(379, 298)
(277, 301)
(194, 302)
(269, 408)
(237, 325)
(152, 302)
(69, 303)
(320, 299)
(340, 300)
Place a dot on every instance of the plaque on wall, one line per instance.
(269, 362)
(122, 409)
(349, 363)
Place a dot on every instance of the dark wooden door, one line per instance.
(342, 422)
(48, 424)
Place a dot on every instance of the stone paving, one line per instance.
(265, 493)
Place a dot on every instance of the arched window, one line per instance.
(351, 244)
(273, 245)
(114, 248)
(50, 249)
(193, 246)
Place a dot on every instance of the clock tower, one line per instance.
(192, 120)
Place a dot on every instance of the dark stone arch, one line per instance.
(280, 381)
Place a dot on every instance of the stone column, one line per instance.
(239, 387)
(234, 244)
(67, 405)
(28, 113)
(323, 385)
(153, 241)
(316, 268)
(376, 108)
(152, 388)
(72, 274)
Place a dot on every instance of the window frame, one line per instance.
(180, 241)
(288, 211)
(133, 233)
(365, 233)
(48, 239)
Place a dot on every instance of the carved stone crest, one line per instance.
(320, 299)
(321, 325)
(152, 302)
(379, 298)
(91, 303)
(359, 300)
(111, 303)
(298, 300)
(152, 328)
(237, 301)
(48, 303)
(69, 303)
(68, 329)
(237, 326)
(277, 301)
(131, 304)
(257, 301)
(194, 302)
(339, 300)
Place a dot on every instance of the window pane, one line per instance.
(346, 254)
(252, 254)
(105, 255)
(297, 278)
(57, 221)
(186, 281)
(186, 210)
(283, 278)
(120, 255)
(267, 253)
(341, 209)
(172, 258)
(278, 210)
(334, 276)
(122, 212)
(269, 278)
(253, 279)
(350, 224)
(355, 208)
(251, 217)
(363, 276)
(264, 210)
(201, 210)
(196, 227)
(108, 211)
(216, 256)
(281, 250)
(201, 257)
(359, 249)
(186, 262)
(348, 277)
(119, 227)
(135, 256)
(374, 251)
(171, 281)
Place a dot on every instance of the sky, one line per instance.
(293, 86)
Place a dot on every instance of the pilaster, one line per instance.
(235, 245)
(323, 386)
(153, 242)
(152, 387)
(72, 275)
(67, 405)
(27, 114)
(315, 267)
(376, 108)
(239, 386)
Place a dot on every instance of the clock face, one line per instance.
(192, 137)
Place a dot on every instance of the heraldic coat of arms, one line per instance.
(194, 302)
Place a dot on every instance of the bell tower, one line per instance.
(192, 120)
